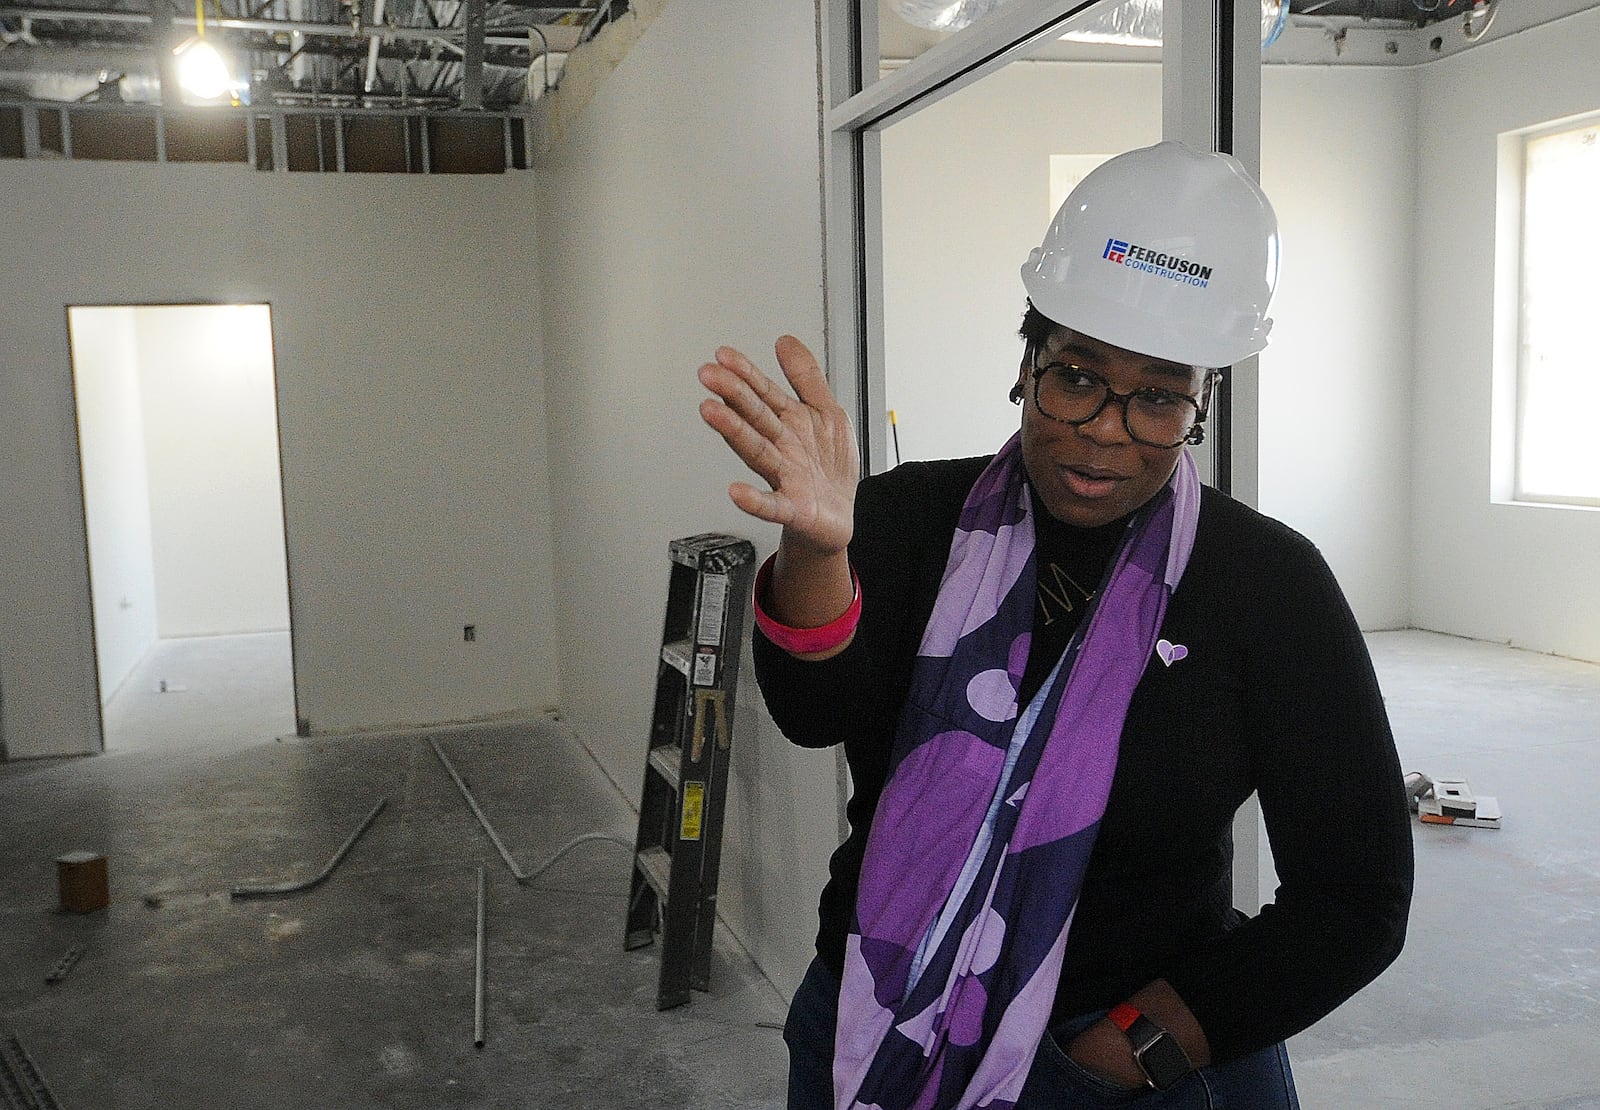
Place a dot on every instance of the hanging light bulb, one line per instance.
(201, 69)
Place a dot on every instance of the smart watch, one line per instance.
(1155, 1050)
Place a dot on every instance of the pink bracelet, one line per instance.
(806, 641)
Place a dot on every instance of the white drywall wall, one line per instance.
(411, 395)
(679, 212)
(211, 438)
(1525, 574)
(966, 195)
(1338, 161)
(116, 495)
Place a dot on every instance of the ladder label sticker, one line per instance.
(705, 667)
(710, 704)
(694, 803)
(713, 603)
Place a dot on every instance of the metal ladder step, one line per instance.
(667, 760)
(656, 866)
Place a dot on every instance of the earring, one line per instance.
(1016, 394)
(1197, 435)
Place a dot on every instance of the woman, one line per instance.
(1057, 673)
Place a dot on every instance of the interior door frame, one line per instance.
(1211, 99)
(83, 506)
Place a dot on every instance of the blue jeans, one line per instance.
(1259, 1081)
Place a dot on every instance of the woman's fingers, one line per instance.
(800, 444)
(761, 387)
(743, 394)
(805, 374)
(768, 505)
(799, 366)
(750, 427)
(754, 449)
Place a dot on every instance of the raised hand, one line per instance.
(801, 445)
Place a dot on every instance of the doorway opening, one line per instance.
(183, 502)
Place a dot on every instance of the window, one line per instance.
(1558, 355)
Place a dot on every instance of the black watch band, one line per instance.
(1157, 1052)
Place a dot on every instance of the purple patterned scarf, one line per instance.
(966, 897)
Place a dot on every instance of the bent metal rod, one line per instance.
(279, 889)
(478, 813)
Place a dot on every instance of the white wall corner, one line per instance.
(587, 68)
(680, 211)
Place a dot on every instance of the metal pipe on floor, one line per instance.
(620, 841)
(279, 889)
(477, 812)
(20, 1079)
(477, 1004)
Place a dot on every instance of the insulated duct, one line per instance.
(942, 15)
(1138, 23)
(1133, 23)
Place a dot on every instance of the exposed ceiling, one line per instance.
(493, 54)
(1396, 32)
(286, 52)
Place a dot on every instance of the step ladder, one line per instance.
(679, 844)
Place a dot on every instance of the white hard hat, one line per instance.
(1164, 251)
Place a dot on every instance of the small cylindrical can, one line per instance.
(84, 881)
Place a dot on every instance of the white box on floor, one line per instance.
(1485, 812)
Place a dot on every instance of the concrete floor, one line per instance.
(359, 993)
(1495, 1001)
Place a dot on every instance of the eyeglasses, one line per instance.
(1153, 417)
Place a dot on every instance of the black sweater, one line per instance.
(1276, 695)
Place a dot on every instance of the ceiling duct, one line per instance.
(1138, 23)
(1134, 23)
(943, 15)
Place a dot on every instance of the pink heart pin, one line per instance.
(1170, 652)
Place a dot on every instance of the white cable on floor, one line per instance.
(571, 844)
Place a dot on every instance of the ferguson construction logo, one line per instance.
(1123, 253)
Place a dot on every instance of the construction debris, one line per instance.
(477, 1007)
(477, 811)
(21, 1085)
(65, 965)
(1452, 802)
(280, 889)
